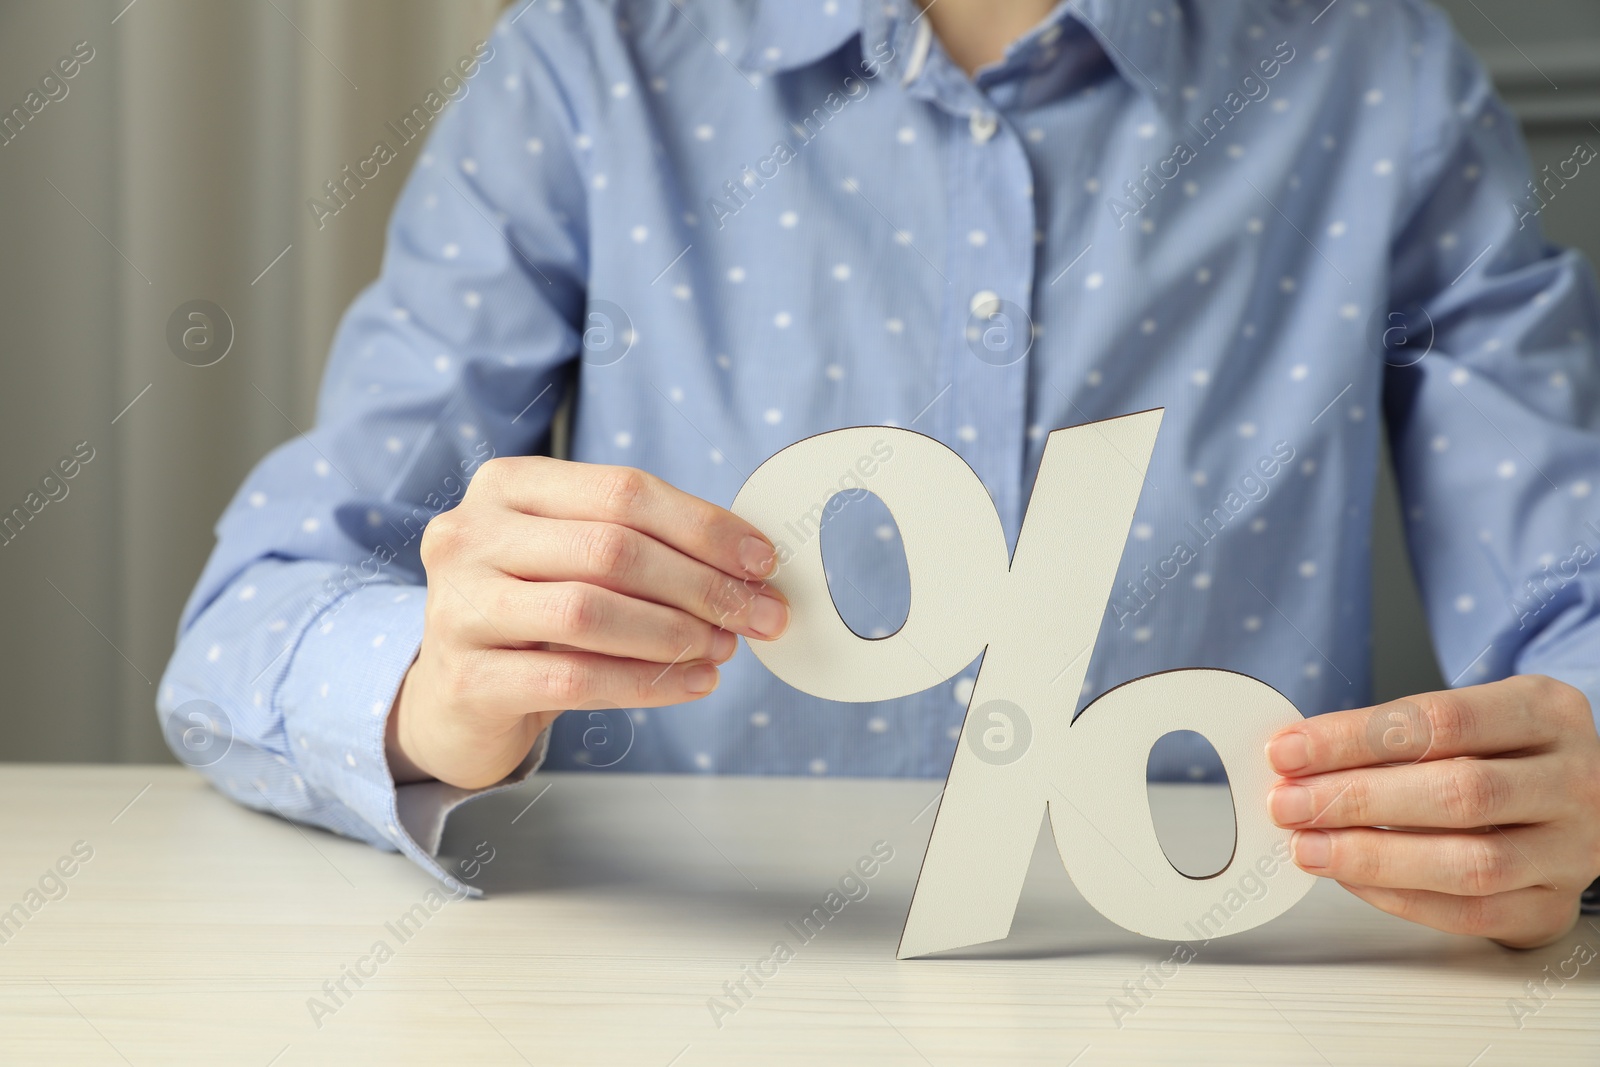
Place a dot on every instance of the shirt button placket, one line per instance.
(989, 301)
(982, 123)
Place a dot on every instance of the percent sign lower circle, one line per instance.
(1034, 616)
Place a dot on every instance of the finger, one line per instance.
(538, 485)
(1525, 918)
(517, 614)
(506, 682)
(1517, 714)
(627, 561)
(1459, 793)
(1468, 865)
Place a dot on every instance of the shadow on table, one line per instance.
(693, 886)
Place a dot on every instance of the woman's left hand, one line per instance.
(1474, 811)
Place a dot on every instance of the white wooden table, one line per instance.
(618, 906)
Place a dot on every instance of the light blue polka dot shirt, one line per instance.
(718, 228)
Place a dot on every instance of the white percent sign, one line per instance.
(1034, 616)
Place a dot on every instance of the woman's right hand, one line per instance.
(555, 585)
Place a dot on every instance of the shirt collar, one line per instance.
(1144, 39)
(786, 35)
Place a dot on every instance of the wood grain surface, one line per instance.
(622, 912)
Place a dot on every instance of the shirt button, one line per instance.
(982, 124)
(985, 302)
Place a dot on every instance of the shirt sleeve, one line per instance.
(1491, 392)
(310, 609)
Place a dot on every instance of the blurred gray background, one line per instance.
(177, 167)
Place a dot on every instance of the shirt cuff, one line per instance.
(424, 806)
(336, 698)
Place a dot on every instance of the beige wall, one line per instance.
(189, 143)
(187, 148)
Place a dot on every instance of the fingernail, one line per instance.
(700, 678)
(1289, 804)
(724, 645)
(1312, 848)
(768, 617)
(756, 557)
(1289, 752)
